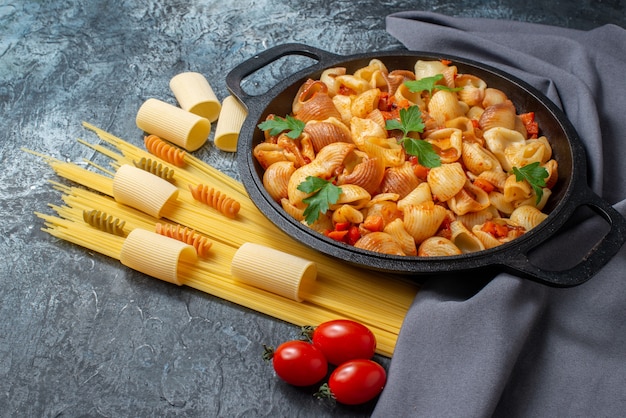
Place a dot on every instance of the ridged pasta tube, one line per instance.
(272, 270)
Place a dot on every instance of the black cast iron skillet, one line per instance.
(570, 193)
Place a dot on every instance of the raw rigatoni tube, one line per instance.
(194, 94)
(180, 127)
(272, 270)
(229, 124)
(155, 255)
(142, 190)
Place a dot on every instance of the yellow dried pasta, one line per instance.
(155, 255)
(272, 270)
(180, 127)
(194, 94)
(142, 190)
(231, 119)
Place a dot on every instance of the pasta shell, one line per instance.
(329, 77)
(386, 209)
(365, 102)
(401, 180)
(374, 66)
(478, 159)
(495, 177)
(347, 213)
(532, 200)
(448, 142)
(446, 180)
(368, 174)
(396, 78)
(385, 149)
(437, 247)
(342, 104)
(478, 218)
(403, 93)
(498, 201)
(527, 216)
(488, 240)
(463, 238)
(267, 154)
(314, 103)
(473, 92)
(553, 173)
(396, 229)
(516, 190)
(325, 164)
(418, 195)
(377, 116)
(444, 106)
(322, 133)
(519, 155)
(295, 212)
(362, 128)
(379, 242)
(493, 97)
(353, 195)
(500, 115)
(355, 84)
(498, 139)
(428, 68)
(470, 199)
(276, 179)
(423, 220)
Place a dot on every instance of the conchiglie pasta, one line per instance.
(442, 185)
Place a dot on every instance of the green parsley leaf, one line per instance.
(424, 151)
(535, 175)
(428, 84)
(411, 121)
(278, 125)
(324, 194)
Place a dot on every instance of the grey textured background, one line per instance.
(79, 334)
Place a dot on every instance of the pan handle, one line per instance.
(236, 76)
(597, 257)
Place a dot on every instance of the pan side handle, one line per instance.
(594, 260)
(236, 76)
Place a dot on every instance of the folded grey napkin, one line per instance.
(509, 347)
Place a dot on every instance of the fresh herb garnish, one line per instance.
(324, 194)
(535, 175)
(428, 84)
(278, 125)
(411, 121)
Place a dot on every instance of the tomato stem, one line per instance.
(268, 352)
(324, 392)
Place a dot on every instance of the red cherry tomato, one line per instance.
(343, 339)
(299, 363)
(356, 382)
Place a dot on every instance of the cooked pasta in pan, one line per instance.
(405, 161)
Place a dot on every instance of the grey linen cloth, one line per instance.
(509, 347)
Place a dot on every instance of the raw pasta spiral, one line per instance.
(201, 243)
(155, 167)
(452, 180)
(104, 222)
(216, 199)
(167, 152)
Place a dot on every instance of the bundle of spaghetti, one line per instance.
(341, 299)
(340, 290)
(211, 277)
